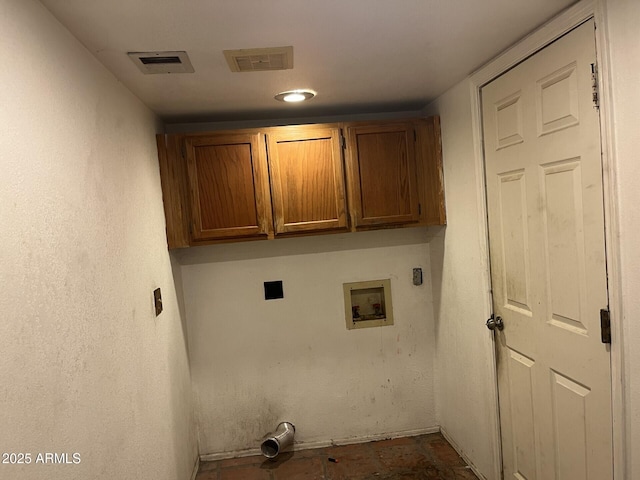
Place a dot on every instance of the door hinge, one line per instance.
(183, 151)
(415, 136)
(595, 88)
(343, 142)
(419, 209)
(605, 325)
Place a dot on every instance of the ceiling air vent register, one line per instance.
(161, 62)
(259, 59)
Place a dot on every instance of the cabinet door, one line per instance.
(307, 179)
(229, 186)
(382, 177)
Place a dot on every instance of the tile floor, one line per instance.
(422, 457)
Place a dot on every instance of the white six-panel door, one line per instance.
(546, 233)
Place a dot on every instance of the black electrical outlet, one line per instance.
(273, 290)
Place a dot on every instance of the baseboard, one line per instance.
(208, 457)
(462, 454)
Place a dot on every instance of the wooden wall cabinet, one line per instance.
(292, 180)
(382, 174)
(229, 187)
(307, 179)
(394, 173)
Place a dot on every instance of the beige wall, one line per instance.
(255, 363)
(86, 366)
(465, 403)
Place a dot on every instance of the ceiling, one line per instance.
(361, 56)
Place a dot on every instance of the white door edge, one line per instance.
(554, 29)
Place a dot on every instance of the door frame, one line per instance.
(543, 36)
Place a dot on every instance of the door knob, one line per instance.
(495, 322)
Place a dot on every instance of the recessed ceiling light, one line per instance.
(294, 96)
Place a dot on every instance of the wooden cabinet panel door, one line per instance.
(229, 186)
(307, 179)
(382, 176)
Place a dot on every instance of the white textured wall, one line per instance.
(255, 363)
(465, 400)
(85, 365)
(624, 36)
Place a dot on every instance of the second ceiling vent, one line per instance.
(259, 59)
